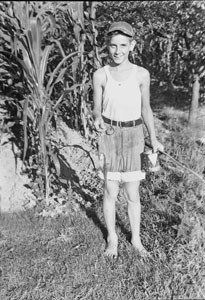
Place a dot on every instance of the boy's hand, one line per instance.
(157, 146)
(99, 125)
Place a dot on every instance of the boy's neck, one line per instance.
(123, 66)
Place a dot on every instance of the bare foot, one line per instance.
(111, 249)
(140, 249)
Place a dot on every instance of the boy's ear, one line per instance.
(132, 45)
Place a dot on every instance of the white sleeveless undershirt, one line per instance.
(122, 99)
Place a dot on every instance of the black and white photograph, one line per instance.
(102, 150)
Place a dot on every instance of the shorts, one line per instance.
(120, 154)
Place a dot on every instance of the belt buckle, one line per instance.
(119, 124)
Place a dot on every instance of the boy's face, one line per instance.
(119, 47)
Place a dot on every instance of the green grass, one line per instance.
(62, 257)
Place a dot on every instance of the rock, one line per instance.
(201, 141)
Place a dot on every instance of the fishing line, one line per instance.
(177, 162)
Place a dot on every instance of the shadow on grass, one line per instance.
(94, 212)
(178, 98)
(69, 177)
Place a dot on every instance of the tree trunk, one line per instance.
(194, 102)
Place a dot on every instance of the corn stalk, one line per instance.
(34, 56)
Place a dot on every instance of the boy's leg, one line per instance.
(131, 191)
(111, 191)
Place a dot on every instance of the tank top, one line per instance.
(121, 99)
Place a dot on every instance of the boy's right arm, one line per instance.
(98, 78)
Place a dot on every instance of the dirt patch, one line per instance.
(13, 192)
(78, 155)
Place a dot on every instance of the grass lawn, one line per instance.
(62, 257)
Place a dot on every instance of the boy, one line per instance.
(121, 92)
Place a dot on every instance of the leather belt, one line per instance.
(122, 124)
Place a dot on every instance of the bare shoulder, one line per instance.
(99, 72)
(99, 76)
(143, 75)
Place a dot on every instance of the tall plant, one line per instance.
(37, 58)
(81, 18)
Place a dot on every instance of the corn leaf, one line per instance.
(25, 114)
(51, 81)
(44, 62)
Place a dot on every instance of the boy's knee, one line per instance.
(111, 195)
(132, 196)
(111, 190)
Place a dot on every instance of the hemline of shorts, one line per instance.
(123, 176)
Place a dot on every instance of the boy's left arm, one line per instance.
(147, 113)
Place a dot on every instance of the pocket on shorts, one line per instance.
(106, 141)
(134, 137)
